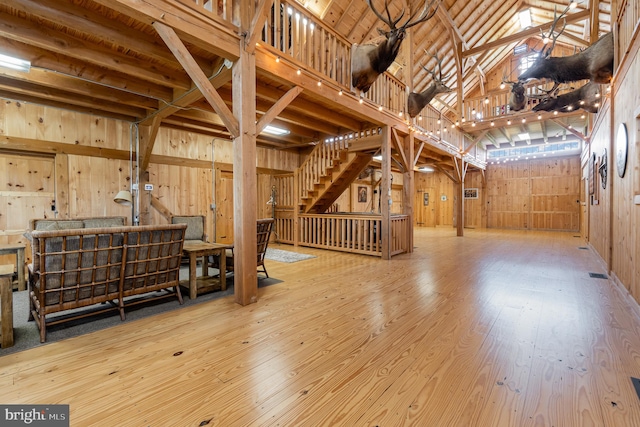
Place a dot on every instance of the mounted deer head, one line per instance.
(594, 63)
(517, 98)
(417, 101)
(586, 97)
(369, 61)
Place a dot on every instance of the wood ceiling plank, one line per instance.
(81, 70)
(61, 97)
(194, 28)
(29, 33)
(522, 35)
(95, 109)
(74, 86)
(81, 19)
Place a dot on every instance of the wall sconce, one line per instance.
(124, 198)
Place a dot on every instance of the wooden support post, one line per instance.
(385, 193)
(461, 169)
(244, 172)
(408, 189)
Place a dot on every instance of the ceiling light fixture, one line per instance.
(18, 64)
(274, 130)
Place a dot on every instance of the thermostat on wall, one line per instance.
(148, 187)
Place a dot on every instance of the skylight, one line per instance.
(524, 17)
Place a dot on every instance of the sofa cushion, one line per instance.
(103, 222)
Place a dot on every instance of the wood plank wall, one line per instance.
(535, 194)
(84, 159)
(439, 211)
(615, 221)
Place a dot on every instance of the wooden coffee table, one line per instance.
(205, 282)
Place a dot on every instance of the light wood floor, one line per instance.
(497, 328)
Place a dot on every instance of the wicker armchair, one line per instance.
(263, 235)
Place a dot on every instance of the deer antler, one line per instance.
(425, 15)
(389, 21)
(546, 94)
(552, 31)
(438, 64)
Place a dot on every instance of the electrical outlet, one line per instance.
(148, 187)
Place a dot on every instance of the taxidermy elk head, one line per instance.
(586, 97)
(369, 61)
(417, 101)
(517, 98)
(594, 63)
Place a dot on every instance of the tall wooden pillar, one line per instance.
(244, 172)
(408, 189)
(461, 169)
(385, 193)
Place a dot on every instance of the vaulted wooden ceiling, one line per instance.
(89, 57)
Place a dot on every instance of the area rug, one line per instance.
(285, 256)
(26, 334)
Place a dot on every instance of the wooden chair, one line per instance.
(263, 235)
(195, 226)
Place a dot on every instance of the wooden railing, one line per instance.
(495, 105)
(628, 20)
(222, 11)
(389, 93)
(285, 203)
(317, 162)
(293, 32)
(355, 233)
(399, 227)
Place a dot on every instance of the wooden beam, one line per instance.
(191, 67)
(446, 172)
(186, 98)
(147, 141)
(257, 24)
(418, 152)
(475, 141)
(277, 108)
(522, 35)
(571, 129)
(398, 143)
(162, 209)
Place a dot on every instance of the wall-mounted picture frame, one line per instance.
(470, 193)
(362, 194)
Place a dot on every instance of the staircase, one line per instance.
(326, 173)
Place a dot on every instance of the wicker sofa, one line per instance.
(79, 267)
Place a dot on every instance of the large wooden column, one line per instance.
(461, 171)
(408, 188)
(244, 173)
(385, 193)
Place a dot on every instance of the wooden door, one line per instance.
(27, 190)
(424, 204)
(224, 207)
